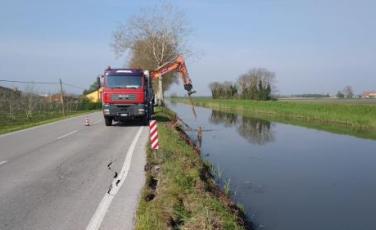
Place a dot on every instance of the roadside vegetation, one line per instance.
(356, 118)
(20, 110)
(180, 192)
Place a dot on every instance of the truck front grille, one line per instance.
(123, 97)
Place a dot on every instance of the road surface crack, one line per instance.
(109, 165)
(109, 189)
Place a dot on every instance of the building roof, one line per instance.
(369, 94)
(94, 96)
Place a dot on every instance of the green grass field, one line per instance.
(179, 192)
(356, 101)
(22, 122)
(354, 117)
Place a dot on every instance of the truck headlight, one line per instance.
(106, 111)
(141, 110)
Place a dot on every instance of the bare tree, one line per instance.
(340, 94)
(214, 88)
(142, 58)
(257, 84)
(152, 38)
(348, 92)
(226, 89)
(30, 102)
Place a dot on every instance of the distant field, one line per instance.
(371, 101)
(356, 114)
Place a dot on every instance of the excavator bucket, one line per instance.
(191, 92)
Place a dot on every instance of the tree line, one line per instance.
(256, 84)
(347, 92)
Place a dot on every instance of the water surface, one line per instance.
(290, 177)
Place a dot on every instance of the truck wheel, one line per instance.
(108, 121)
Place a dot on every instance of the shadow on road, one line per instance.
(130, 123)
(139, 122)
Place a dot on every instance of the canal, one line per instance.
(289, 177)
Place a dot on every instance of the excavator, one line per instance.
(177, 64)
(128, 93)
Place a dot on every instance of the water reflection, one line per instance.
(228, 119)
(293, 178)
(254, 130)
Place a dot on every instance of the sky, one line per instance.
(313, 46)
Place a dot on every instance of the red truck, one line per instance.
(128, 93)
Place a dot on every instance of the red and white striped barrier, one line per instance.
(154, 135)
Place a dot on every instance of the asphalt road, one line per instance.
(56, 176)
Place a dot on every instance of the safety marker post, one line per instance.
(154, 136)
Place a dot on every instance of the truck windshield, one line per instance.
(121, 81)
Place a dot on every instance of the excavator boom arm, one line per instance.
(178, 64)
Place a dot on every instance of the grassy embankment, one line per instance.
(10, 125)
(180, 192)
(358, 119)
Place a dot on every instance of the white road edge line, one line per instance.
(97, 219)
(68, 134)
(3, 162)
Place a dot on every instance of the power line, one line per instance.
(74, 86)
(30, 82)
(42, 83)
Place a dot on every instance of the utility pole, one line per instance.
(98, 88)
(62, 96)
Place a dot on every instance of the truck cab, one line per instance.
(127, 95)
